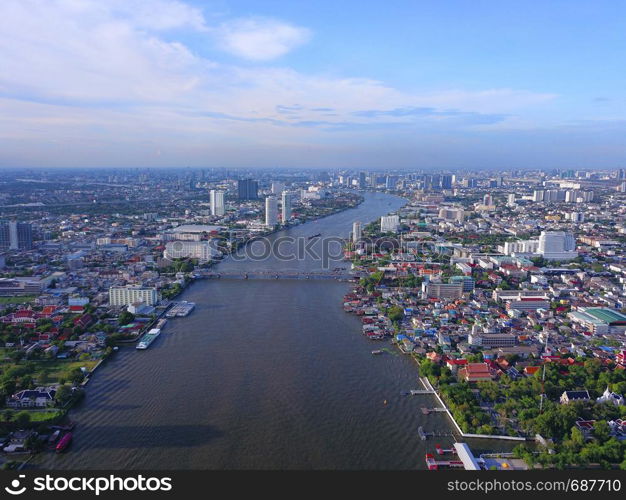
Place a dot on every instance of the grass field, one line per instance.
(35, 415)
(16, 300)
(50, 372)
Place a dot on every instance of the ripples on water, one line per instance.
(264, 374)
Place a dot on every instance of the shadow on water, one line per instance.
(135, 436)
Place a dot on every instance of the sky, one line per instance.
(358, 84)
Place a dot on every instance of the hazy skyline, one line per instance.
(424, 84)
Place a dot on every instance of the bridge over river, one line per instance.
(341, 275)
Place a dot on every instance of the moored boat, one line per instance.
(64, 442)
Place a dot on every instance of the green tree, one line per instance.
(63, 395)
(125, 318)
(22, 419)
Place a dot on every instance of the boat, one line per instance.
(64, 442)
(315, 236)
(180, 309)
(54, 436)
(148, 338)
(377, 351)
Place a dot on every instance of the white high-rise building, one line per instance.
(487, 200)
(286, 209)
(127, 295)
(217, 202)
(576, 216)
(511, 200)
(557, 245)
(357, 232)
(389, 223)
(277, 188)
(271, 211)
(204, 251)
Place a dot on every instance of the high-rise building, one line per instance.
(389, 224)
(248, 189)
(271, 211)
(217, 202)
(557, 245)
(511, 200)
(16, 236)
(127, 295)
(286, 207)
(357, 232)
(487, 200)
(446, 182)
(204, 251)
(277, 188)
(362, 180)
(538, 195)
(452, 214)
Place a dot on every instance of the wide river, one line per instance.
(264, 374)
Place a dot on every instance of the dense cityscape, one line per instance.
(506, 288)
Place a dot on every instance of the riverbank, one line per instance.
(263, 357)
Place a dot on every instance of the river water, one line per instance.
(264, 374)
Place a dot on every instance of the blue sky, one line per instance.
(422, 84)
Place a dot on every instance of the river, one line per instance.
(264, 374)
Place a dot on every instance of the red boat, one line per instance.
(64, 442)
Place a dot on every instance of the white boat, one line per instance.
(148, 338)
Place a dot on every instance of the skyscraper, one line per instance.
(446, 182)
(277, 187)
(557, 245)
(248, 189)
(357, 233)
(217, 202)
(286, 202)
(271, 210)
(16, 236)
(362, 180)
(389, 223)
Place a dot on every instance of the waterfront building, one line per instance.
(286, 207)
(271, 210)
(127, 295)
(217, 203)
(204, 251)
(357, 232)
(389, 224)
(362, 180)
(16, 236)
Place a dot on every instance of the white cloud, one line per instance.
(88, 79)
(259, 38)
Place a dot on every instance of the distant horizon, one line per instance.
(320, 168)
(253, 84)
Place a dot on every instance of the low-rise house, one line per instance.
(569, 396)
(475, 372)
(41, 397)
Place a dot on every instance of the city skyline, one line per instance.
(461, 85)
